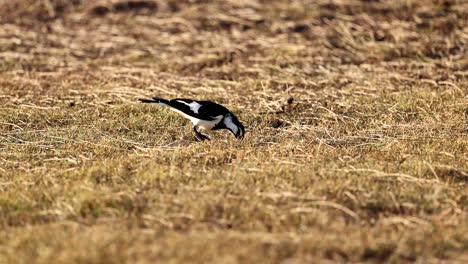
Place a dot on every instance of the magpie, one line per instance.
(203, 114)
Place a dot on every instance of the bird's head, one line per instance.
(232, 124)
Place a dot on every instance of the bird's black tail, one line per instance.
(155, 100)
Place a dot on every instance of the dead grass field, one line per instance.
(368, 164)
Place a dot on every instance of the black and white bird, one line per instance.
(203, 114)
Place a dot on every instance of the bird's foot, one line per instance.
(199, 135)
(202, 137)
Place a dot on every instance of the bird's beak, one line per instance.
(240, 133)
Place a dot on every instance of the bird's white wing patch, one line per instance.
(230, 125)
(194, 106)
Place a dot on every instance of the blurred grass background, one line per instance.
(356, 146)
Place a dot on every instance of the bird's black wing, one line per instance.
(204, 110)
(210, 110)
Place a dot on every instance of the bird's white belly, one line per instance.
(205, 124)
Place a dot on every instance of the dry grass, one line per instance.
(367, 164)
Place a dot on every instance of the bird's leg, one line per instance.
(199, 135)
